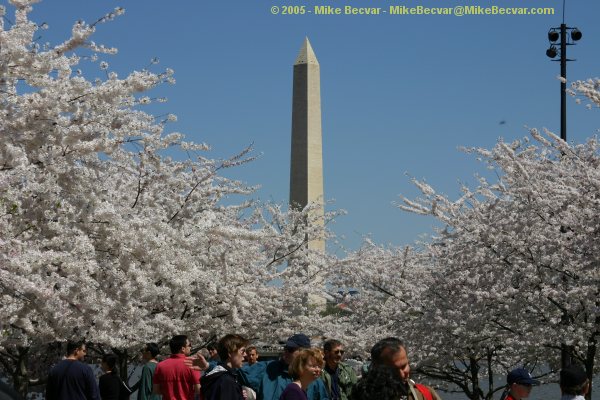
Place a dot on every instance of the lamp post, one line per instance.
(568, 36)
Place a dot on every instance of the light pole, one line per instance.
(568, 36)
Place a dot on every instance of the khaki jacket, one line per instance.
(347, 380)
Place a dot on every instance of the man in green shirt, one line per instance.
(338, 377)
(144, 385)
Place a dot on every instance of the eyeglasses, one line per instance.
(341, 352)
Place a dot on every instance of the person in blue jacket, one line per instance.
(270, 379)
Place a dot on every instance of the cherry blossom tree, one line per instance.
(113, 228)
(525, 247)
(511, 279)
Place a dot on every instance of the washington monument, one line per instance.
(306, 172)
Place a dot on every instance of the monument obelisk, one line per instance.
(306, 172)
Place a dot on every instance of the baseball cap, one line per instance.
(298, 340)
(521, 376)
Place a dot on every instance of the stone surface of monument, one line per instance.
(306, 172)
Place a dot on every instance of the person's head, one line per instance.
(76, 349)
(251, 355)
(150, 351)
(212, 351)
(333, 351)
(379, 382)
(232, 349)
(519, 383)
(204, 353)
(306, 365)
(574, 380)
(109, 363)
(179, 344)
(292, 345)
(391, 352)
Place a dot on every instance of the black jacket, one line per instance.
(221, 383)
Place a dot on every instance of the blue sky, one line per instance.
(400, 94)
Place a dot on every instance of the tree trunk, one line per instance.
(565, 356)
(589, 363)
(123, 364)
(21, 372)
(474, 372)
(490, 372)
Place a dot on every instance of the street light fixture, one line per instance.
(568, 36)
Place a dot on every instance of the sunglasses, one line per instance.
(340, 352)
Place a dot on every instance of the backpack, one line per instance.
(424, 391)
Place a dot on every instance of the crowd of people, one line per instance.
(231, 371)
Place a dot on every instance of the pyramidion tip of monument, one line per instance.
(306, 54)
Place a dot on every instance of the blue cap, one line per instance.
(521, 376)
(298, 340)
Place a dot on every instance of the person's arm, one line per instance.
(197, 388)
(156, 389)
(317, 390)
(92, 386)
(145, 383)
(51, 388)
(352, 383)
(353, 377)
(197, 362)
(136, 385)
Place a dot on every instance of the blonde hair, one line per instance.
(304, 356)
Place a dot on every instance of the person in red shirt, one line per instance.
(173, 379)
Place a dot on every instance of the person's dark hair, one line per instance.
(574, 390)
(111, 361)
(211, 347)
(380, 382)
(573, 380)
(154, 349)
(230, 344)
(177, 342)
(73, 345)
(383, 351)
(330, 344)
